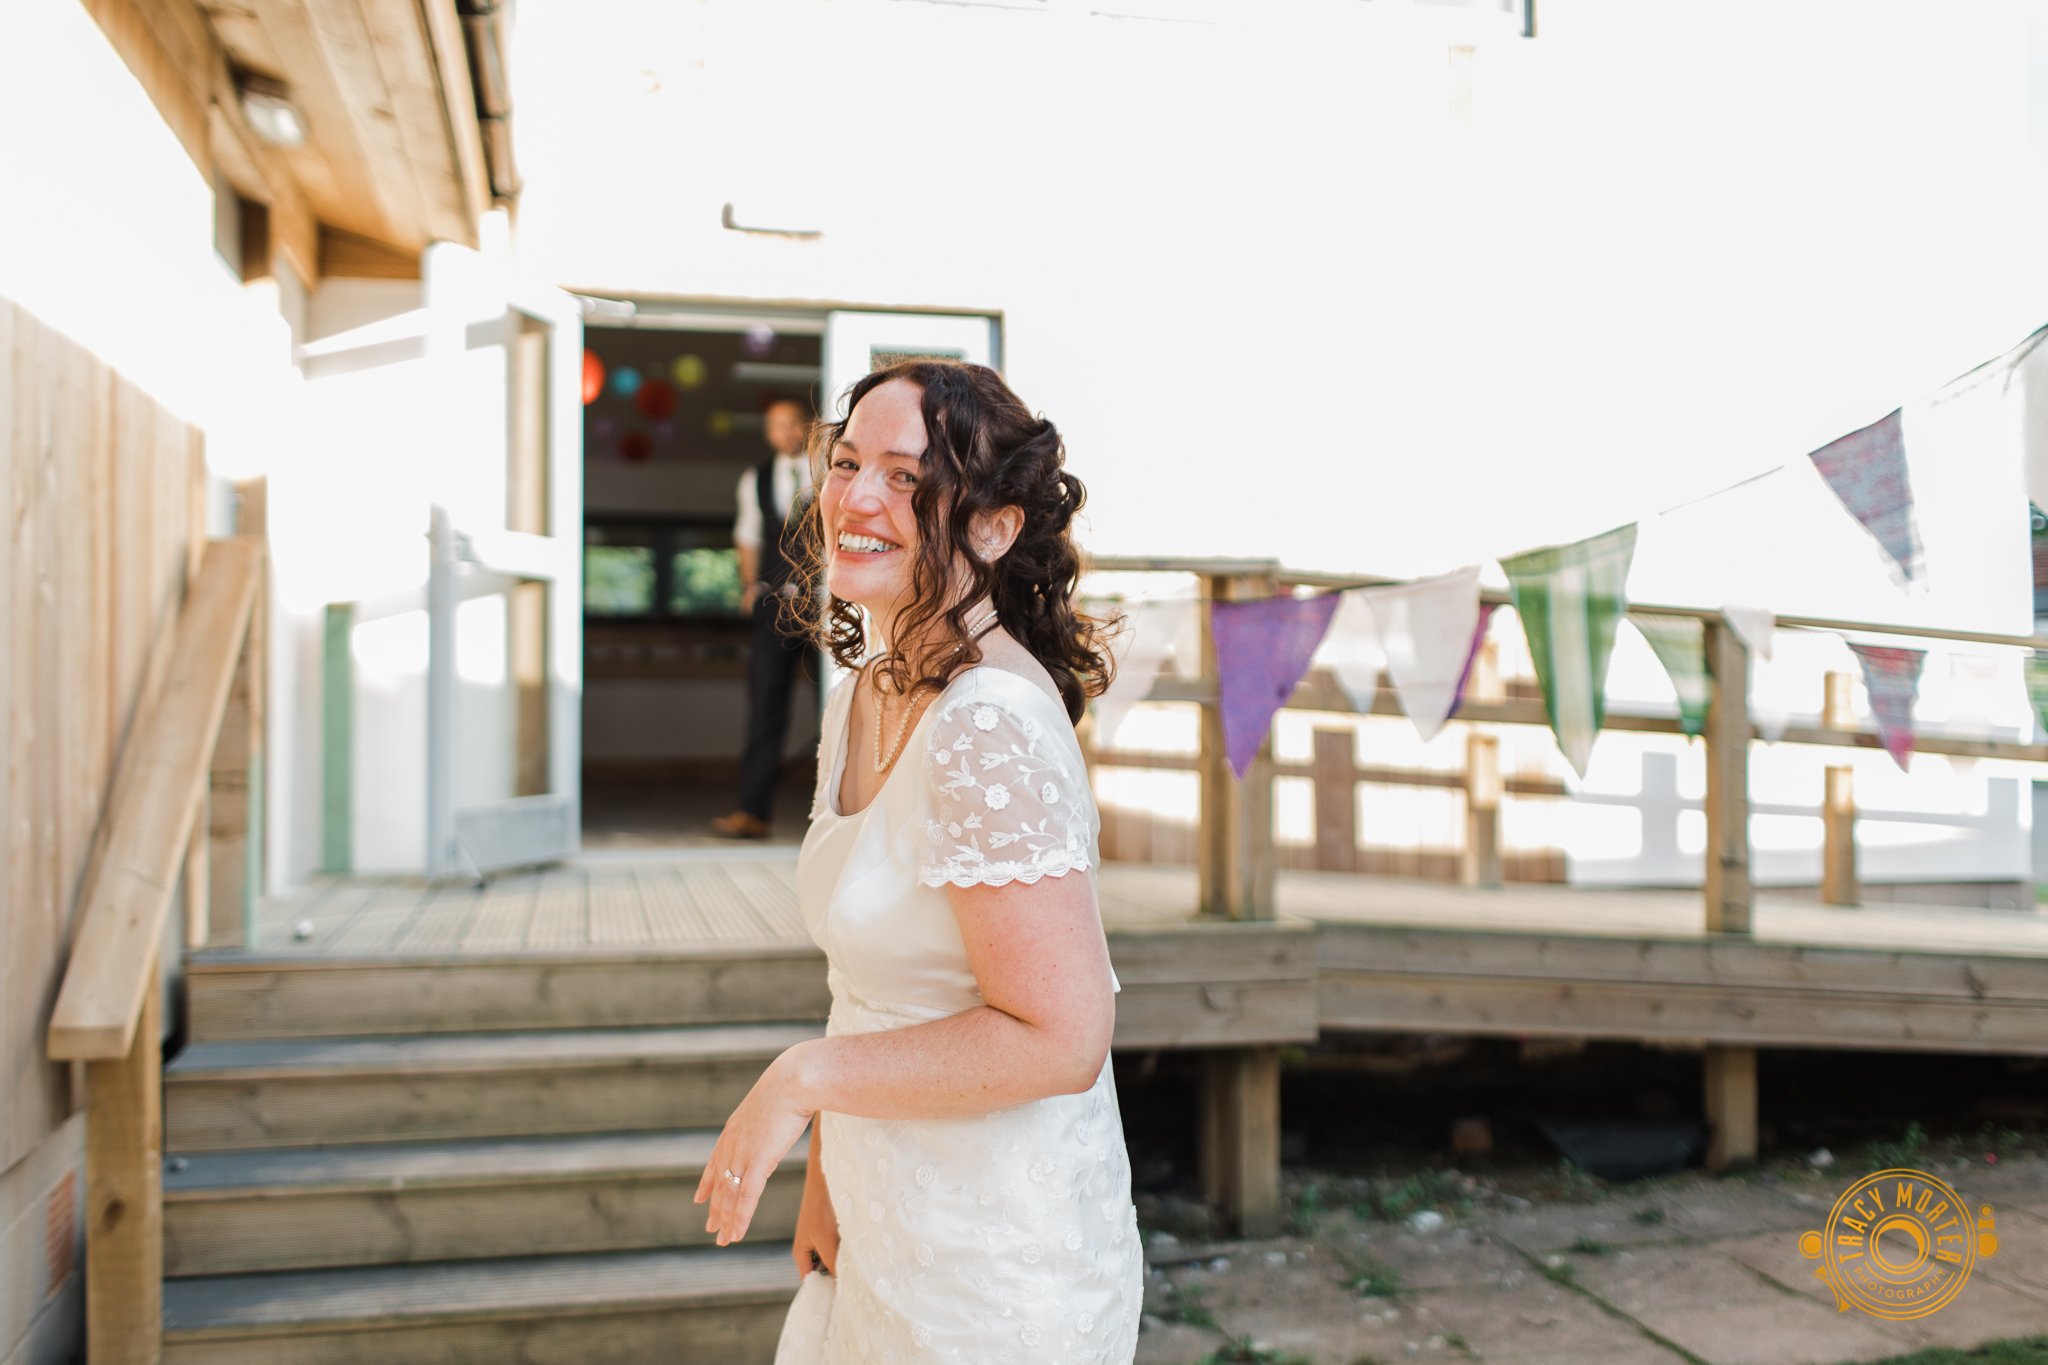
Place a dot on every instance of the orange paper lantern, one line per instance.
(593, 376)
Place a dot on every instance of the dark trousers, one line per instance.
(773, 664)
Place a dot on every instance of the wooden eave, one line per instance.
(393, 153)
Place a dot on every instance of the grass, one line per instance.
(1240, 1351)
(1186, 1307)
(1915, 1150)
(1650, 1217)
(2021, 1351)
(1369, 1274)
(1590, 1246)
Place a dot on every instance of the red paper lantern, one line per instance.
(656, 399)
(593, 376)
(636, 447)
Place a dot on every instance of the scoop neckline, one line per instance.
(845, 754)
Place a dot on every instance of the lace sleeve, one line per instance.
(1005, 806)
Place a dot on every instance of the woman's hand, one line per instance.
(817, 1226)
(756, 1138)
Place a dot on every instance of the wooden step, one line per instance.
(236, 997)
(440, 1087)
(709, 1306)
(307, 1208)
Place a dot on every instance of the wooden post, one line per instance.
(198, 876)
(1731, 1106)
(1481, 863)
(1838, 882)
(1240, 1137)
(234, 822)
(1728, 894)
(1336, 779)
(337, 740)
(124, 1237)
(1235, 856)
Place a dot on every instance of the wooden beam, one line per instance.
(1838, 882)
(1237, 860)
(166, 61)
(113, 959)
(458, 101)
(345, 255)
(124, 1239)
(1481, 863)
(1336, 795)
(1240, 1132)
(1730, 1078)
(1729, 896)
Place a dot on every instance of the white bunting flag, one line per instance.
(1154, 632)
(1426, 629)
(1755, 627)
(1351, 650)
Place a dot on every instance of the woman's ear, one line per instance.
(993, 533)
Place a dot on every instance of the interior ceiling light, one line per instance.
(270, 113)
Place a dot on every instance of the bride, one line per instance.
(968, 1195)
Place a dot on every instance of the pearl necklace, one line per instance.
(882, 764)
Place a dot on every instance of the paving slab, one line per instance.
(1723, 1312)
(1984, 1310)
(1705, 1210)
(1441, 1260)
(1533, 1322)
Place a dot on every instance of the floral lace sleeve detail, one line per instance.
(1004, 805)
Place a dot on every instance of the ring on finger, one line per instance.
(733, 1178)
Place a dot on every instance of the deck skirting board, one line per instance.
(1661, 1011)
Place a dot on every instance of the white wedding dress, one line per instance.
(1005, 1238)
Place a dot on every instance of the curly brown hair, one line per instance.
(984, 450)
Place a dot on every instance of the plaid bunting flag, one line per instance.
(1262, 650)
(1867, 471)
(1680, 643)
(1570, 599)
(1892, 676)
(2037, 688)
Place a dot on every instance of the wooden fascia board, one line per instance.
(458, 103)
(167, 78)
(148, 825)
(170, 48)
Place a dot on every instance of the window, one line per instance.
(660, 570)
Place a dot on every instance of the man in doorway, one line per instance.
(772, 496)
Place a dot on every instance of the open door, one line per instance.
(858, 344)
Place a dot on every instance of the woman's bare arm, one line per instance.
(1039, 957)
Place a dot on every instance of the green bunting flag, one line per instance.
(1570, 599)
(2037, 687)
(1681, 646)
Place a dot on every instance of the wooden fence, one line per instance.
(106, 523)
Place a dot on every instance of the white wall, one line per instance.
(1283, 298)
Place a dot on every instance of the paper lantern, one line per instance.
(625, 381)
(719, 423)
(593, 376)
(656, 399)
(759, 340)
(601, 427)
(636, 447)
(689, 372)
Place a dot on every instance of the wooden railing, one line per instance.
(109, 1010)
(1236, 856)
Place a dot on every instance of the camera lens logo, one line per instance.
(1899, 1244)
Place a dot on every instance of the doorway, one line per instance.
(677, 396)
(675, 415)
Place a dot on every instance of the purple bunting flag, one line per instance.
(1263, 649)
(1892, 676)
(1867, 471)
(1472, 655)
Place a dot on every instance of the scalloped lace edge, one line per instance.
(931, 877)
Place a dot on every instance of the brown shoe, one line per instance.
(740, 825)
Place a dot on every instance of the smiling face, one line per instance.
(870, 529)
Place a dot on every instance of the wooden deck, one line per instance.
(1349, 952)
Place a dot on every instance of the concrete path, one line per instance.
(1696, 1270)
